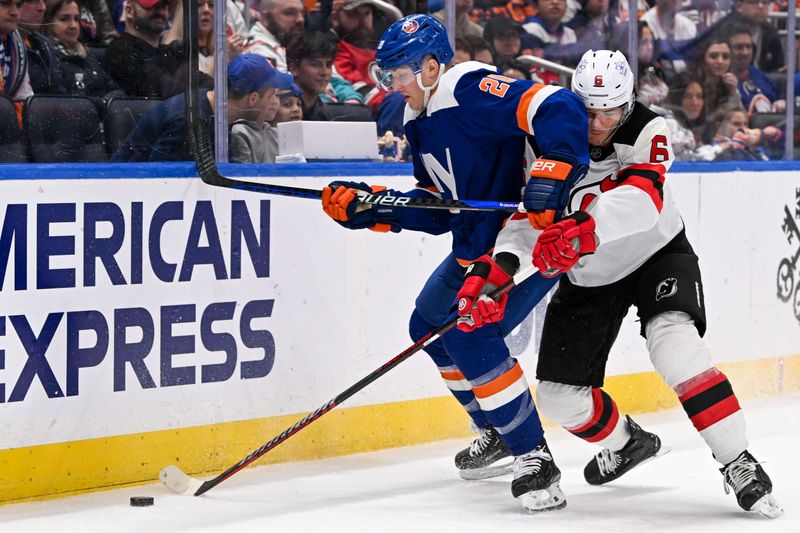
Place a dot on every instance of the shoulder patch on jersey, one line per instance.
(629, 132)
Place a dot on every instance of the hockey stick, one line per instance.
(210, 175)
(178, 481)
(200, 142)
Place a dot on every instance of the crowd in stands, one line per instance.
(714, 68)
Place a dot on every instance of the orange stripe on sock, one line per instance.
(499, 383)
(454, 375)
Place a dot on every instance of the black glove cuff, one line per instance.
(508, 262)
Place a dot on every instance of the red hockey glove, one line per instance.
(562, 245)
(475, 308)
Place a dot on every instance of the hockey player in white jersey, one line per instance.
(622, 242)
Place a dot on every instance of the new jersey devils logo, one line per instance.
(410, 26)
(666, 288)
(598, 81)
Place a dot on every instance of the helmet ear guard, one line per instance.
(603, 80)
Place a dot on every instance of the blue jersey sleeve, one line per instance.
(495, 105)
(561, 128)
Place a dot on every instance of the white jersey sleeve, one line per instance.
(634, 199)
(627, 194)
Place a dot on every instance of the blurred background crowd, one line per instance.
(100, 80)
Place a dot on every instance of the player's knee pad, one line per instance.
(567, 405)
(676, 349)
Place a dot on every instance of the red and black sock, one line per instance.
(603, 421)
(707, 398)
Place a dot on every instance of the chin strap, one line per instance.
(427, 90)
(626, 114)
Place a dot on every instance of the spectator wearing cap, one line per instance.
(291, 105)
(138, 61)
(504, 37)
(356, 25)
(15, 82)
(280, 21)
(253, 139)
(464, 25)
(44, 67)
(159, 135)
(550, 37)
(753, 14)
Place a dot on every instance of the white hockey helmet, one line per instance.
(603, 80)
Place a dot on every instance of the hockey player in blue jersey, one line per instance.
(475, 134)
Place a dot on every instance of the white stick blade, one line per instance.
(177, 481)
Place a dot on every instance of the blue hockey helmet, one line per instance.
(409, 40)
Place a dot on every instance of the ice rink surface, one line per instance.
(417, 489)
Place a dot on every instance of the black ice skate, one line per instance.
(536, 481)
(484, 457)
(608, 465)
(751, 484)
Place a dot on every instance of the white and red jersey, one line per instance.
(627, 193)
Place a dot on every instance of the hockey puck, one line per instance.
(141, 501)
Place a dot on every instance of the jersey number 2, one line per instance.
(658, 149)
(493, 84)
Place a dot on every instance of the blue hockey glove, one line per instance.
(547, 191)
(340, 202)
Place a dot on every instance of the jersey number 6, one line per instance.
(658, 149)
(493, 84)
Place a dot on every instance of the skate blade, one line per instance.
(486, 472)
(664, 450)
(767, 506)
(549, 499)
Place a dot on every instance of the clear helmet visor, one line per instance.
(395, 78)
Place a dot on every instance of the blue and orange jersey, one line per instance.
(476, 141)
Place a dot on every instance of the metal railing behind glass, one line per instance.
(564, 73)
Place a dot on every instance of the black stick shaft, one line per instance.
(341, 397)
(211, 176)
